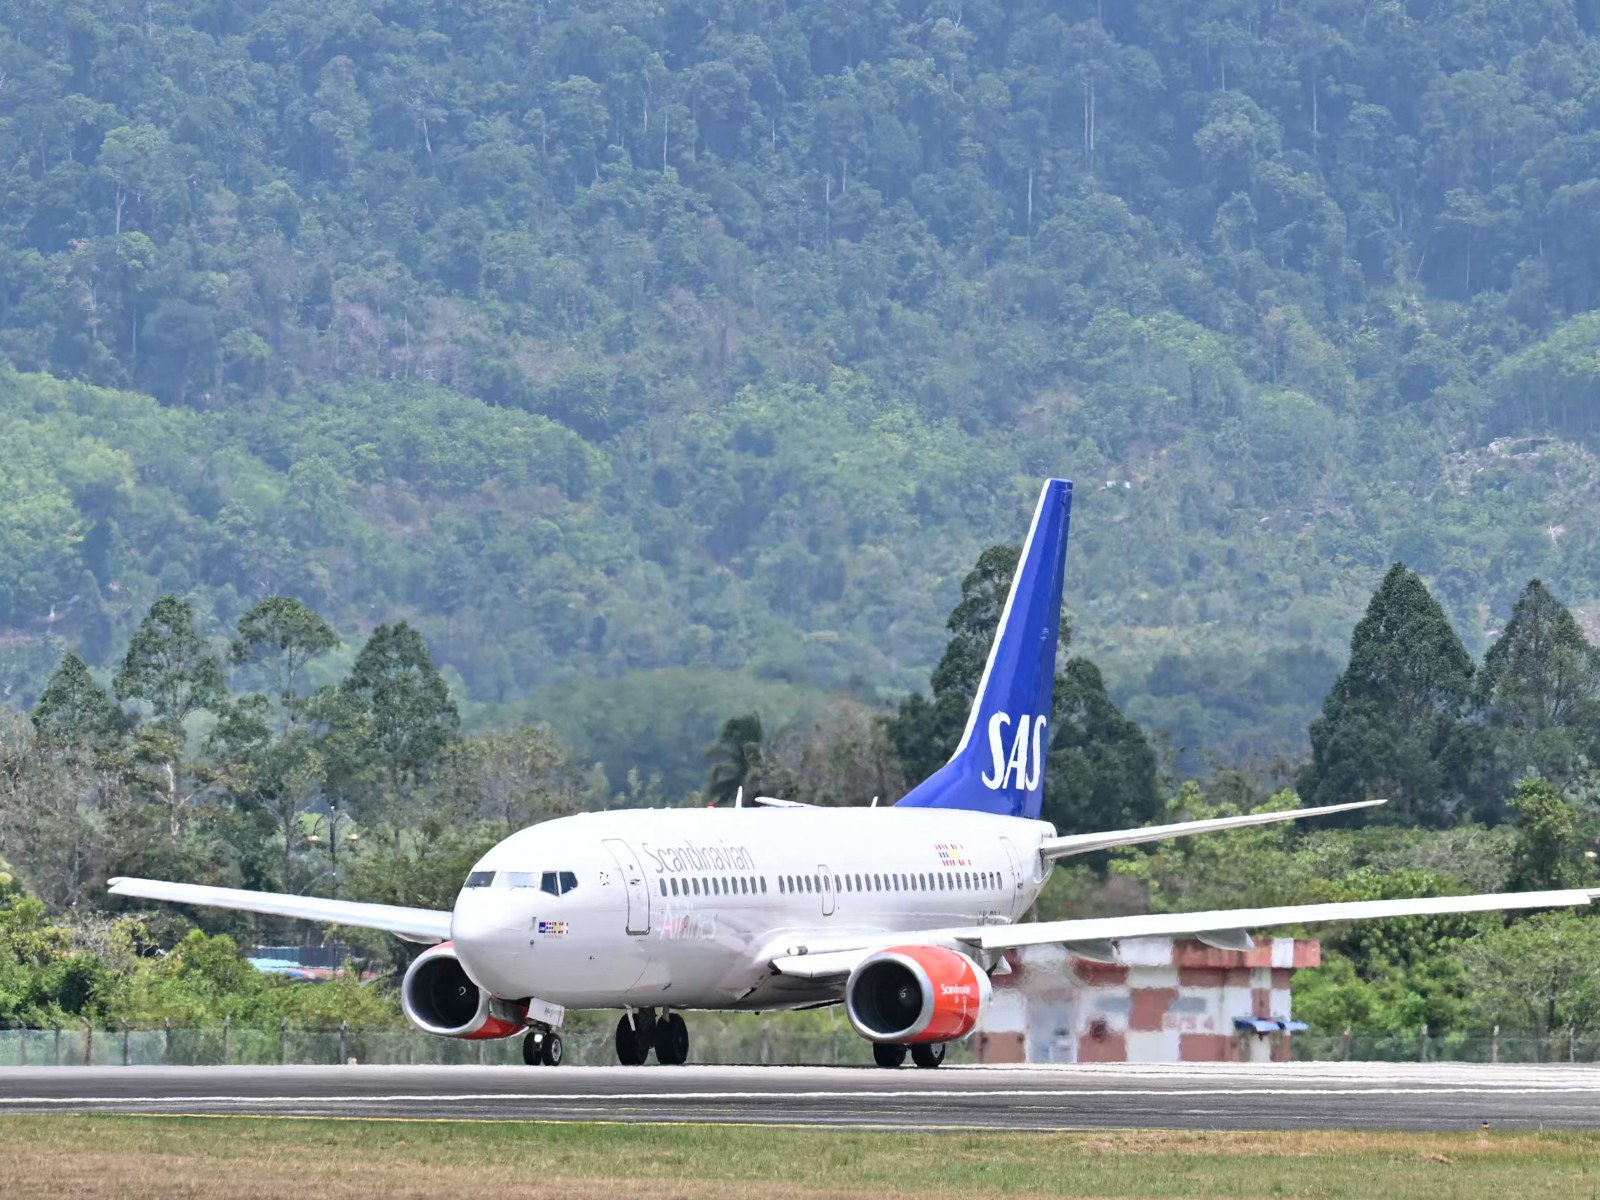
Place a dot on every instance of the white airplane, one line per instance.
(901, 913)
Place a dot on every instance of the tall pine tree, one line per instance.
(1539, 689)
(1391, 725)
(170, 665)
(76, 709)
(391, 720)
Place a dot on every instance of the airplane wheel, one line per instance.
(552, 1051)
(885, 1054)
(672, 1041)
(928, 1055)
(530, 1049)
(632, 1045)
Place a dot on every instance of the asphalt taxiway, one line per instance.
(1398, 1096)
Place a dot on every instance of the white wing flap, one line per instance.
(1236, 920)
(412, 924)
(1096, 938)
(1087, 843)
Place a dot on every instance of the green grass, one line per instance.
(196, 1158)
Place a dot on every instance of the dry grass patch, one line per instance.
(132, 1158)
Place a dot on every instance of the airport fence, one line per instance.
(1422, 1046)
(743, 1040)
(716, 1038)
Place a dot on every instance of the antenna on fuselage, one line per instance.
(738, 797)
(874, 803)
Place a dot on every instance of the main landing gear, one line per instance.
(926, 1055)
(542, 1046)
(640, 1032)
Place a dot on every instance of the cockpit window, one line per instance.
(514, 879)
(558, 883)
(480, 879)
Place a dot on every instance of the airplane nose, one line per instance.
(491, 941)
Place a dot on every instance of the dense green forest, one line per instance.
(684, 356)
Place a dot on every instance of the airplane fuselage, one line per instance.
(685, 908)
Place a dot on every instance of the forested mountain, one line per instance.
(621, 346)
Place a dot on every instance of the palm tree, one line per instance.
(734, 757)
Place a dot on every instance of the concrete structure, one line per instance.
(1163, 1001)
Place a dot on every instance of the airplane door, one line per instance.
(633, 882)
(1016, 877)
(827, 890)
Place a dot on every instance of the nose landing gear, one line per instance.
(542, 1046)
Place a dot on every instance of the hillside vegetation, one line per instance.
(619, 347)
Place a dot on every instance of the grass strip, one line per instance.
(245, 1158)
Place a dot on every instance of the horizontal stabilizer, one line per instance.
(412, 924)
(1086, 843)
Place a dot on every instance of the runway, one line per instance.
(1397, 1096)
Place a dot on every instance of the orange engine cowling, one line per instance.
(438, 998)
(909, 994)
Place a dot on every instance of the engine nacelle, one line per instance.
(909, 994)
(438, 998)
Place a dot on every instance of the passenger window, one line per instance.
(811, 884)
(696, 884)
(663, 884)
(763, 885)
(836, 884)
(674, 886)
(480, 879)
(858, 883)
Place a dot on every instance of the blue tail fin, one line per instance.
(999, 765)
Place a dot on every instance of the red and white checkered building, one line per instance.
(1164, 1001)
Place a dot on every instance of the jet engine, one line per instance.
(439, 998)
(912, 994)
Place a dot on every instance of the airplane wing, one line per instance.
(1095, 937)
(1085, 843)
(413, 924)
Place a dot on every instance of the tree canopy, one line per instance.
(598, 340)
